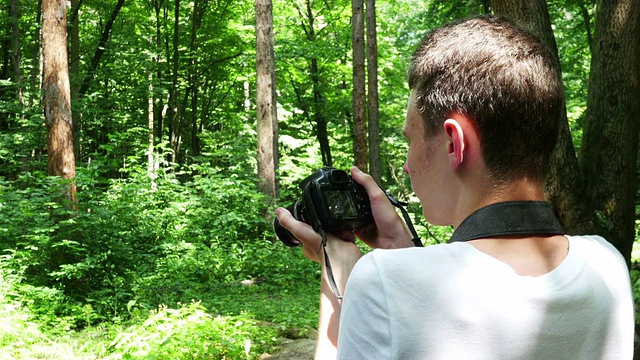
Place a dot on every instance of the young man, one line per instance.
(483, 115)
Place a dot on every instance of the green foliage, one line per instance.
(128, 243)
(16, 330)
(571, 21)
(71, 280)
(191, 333)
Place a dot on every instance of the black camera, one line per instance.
(331, 201)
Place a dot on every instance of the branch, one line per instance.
(200, 73)
(100, 50)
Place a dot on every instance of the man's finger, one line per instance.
(300, 230)
(376, 195)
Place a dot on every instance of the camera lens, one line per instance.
(299, 213)
(284, 235)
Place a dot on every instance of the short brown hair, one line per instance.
(501, 77)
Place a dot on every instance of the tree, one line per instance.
(16, 53)
(266, 100)
(372, 93)
(596, 193)
(56, 93)
(610, 136)
(307, 22)
(173, 108)
(359, 112)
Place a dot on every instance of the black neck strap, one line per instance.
(509, 218)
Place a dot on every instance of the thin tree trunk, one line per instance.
(57, 97)
(172, 111)
(198, 14)
(16, 53)
(586, 19)
(359, 112)
(152, 171)
(36, 59)
(157, 106)
(372, 85)
(318, 114)
(266, 101)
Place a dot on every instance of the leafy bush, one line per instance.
(191, 333)
(131, 243)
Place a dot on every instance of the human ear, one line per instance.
(456, 145)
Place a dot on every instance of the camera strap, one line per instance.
(509, 218)
(400, 205)
(327, 263)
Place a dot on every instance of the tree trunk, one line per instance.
(172, 110)
(610, 135)
(372, 85)
(57, 97)
(16, 53)
(158, 114)
(266, 101)
(74, 73)
(36, 60)
(318, 115)
(359, 111)
(152, 170)
(194, 78)
(564, 187)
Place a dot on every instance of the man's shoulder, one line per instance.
(417, 259)
(593, 245)
(597, 250)
(437, 251)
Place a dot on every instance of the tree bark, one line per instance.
(612, 122)
(266, 102)
(74, 72)
(359, 112)
(375, 162)
(57, 97)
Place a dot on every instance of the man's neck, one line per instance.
(486, 193)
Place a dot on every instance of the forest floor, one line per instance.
(299, 349)
(294, 344)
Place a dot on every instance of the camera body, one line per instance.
(331, 201)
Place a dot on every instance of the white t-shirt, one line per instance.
(452, 301)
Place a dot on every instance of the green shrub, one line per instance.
(191, 333)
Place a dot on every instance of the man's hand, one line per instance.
(341, 247)
(388, 231)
